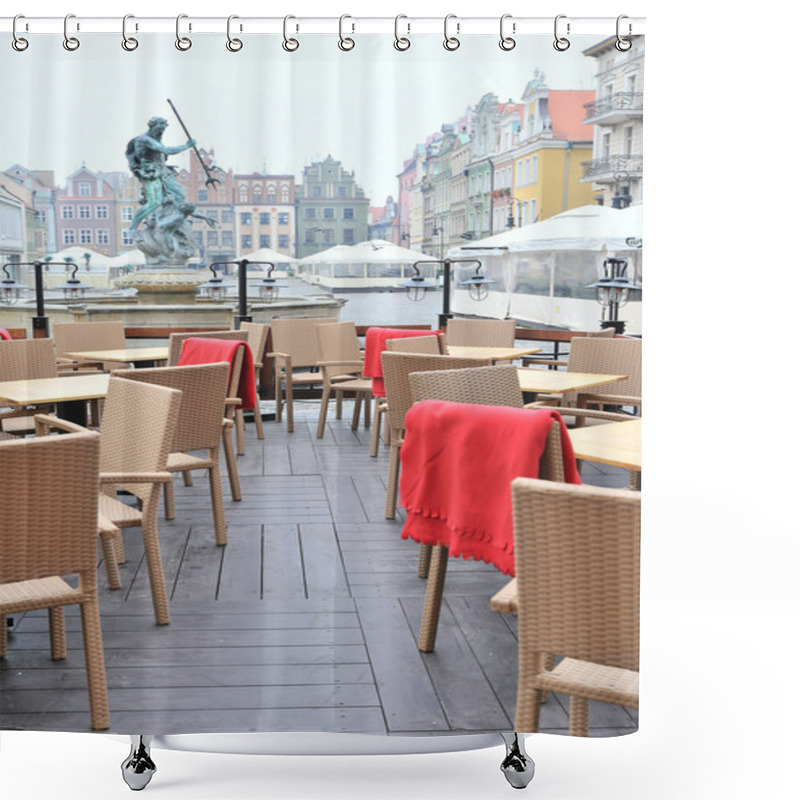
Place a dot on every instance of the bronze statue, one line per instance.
(166, 236)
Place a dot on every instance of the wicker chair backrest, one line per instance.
(481, 332)
(27, 359)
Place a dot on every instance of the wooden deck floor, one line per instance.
(306, 620)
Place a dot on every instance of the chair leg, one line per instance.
(95, 665)
(433, 600)
(578, 716)
(529, 699)
(289, 405)
(278, 394)
(323, 412)
(424, 562)
(233, 468)
(58, 633)
(169, 497)
(239, 419)
(367, 409)
(392, 481)
(374, 438)
(356, 412)
(187, 478)
(155, 566)
(217, 505)
(339, 399)
(110, 558)
(3, 636)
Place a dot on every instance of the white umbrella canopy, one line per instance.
(585, 228)
(133, 258)
(76, 253)
(379, 251)
(338, 254)
(266, 254)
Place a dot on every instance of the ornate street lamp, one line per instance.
(73, 289)
(269, 288)
(10, 290)
(216, 288)
(613, 292)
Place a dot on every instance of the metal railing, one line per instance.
(619, 101)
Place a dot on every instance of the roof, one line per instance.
(567, 113)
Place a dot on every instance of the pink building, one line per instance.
(86, 213)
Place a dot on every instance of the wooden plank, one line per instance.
(324, 571)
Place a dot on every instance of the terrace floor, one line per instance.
(305, 621)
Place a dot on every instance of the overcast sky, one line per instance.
(262, 108)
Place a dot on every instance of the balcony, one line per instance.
(615, 108)
(612, 168)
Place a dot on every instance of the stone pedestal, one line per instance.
(162, 285)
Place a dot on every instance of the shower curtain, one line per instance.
(290, 150)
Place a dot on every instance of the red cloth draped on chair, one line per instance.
(210, 351)
(458, 462)
(4, 334)
(375, 344)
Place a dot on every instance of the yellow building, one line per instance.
(553, 143)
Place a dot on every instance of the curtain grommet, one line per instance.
(561, 43)
(346, 43)
(183, 43)
(401, 43)
(507, 42)
(129, 43)
(451, 42)
(19, 43)
(289, 43)
(71, 43)
(622, 44)
(233, 44)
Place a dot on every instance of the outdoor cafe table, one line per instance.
(493, 353)
(553, 382)
(618, 444)
(69, 393)
(138, 356)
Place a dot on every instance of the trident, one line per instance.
(210, 180)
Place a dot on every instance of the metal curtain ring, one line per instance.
(623, 45)
(182, 42)
(70, 42)
(561, 43)
(18, 42)
(129, 43)
(345, 42)
(451, 42)
(401, 42)
(289, 44)
(507, 42)
(234, 45)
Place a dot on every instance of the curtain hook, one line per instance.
(623, 45)
(451, 42)
(345, 43)
(289, 44)
(18, 43)
(561, 43)
(507, 42)
(182, 42)
(234, 45)
(129, 43)
(70, 42)
(401, 42)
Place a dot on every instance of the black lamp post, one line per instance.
(10, 290)
(613, 291)
(416, 286)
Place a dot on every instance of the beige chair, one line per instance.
(603, 333)
(342, 366)
(577, 563)
(49, 499)
(85, 336)
(481, 332)
(24, 359)
(136, 436)
(257, 335)
(199, 428)
(396, 369)
(295, 347)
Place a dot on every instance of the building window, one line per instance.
(41, 216)
(84, 212)
(227, 238)
(68, 237)
(126, 213)
(202, 195)
(283, 218)
(85, 236)
(535, 169)
(310, 237)
(627, 140)
(212, 238)
(284, 193)
(348, 213)
(197, 237)
(103, 236)
(263, 218)
(245, 218)
(327, 213)
(257, 195)
(101, 212)
(283, 241)
(213, 215)
(327, 236)
(67, 212)
(243, 194)
(271, 196)
(227, 215)
(263, 240)
(310, 213)
(317, 191)
(247, 242)
(605, 145)
(127, 237)
(341, 191)
(348, 236)
(84, 190)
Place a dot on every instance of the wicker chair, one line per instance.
(481, 332)
(233, 411)
(49, 499)
(396, 369)
(577, 556)
(77, 336)
(603, 333)
(342, 366)
(199, 428)
(24, 359)
(257, 335)
(294, 346)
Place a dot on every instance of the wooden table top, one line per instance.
(54, 390)
(495, 353)
(550, 380)
(126, 354)
(618, 444)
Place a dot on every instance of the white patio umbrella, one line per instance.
(266, 254)
(132, 258)
(76, 253)
(338, 254)
(379, 251)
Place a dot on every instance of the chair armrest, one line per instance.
(582, 414)
(116, 478)
(609, 399)
(46, 422)
(357, 364)
(278, 354)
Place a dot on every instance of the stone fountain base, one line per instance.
(162, 285)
